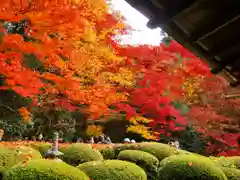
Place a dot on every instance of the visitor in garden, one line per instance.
(1, 134)
(126, 141)
(92, 140)
(171, 143)
(101, 139)
(177, 145)
(40, 137)
(133, 141)
(108, 140)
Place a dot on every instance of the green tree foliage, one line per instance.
(10, 120)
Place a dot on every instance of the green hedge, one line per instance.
(120, 147)
(235, 160)
(223, 162)
(231, 173)
(159, 150)
(143, 159)
(113, 170)
(41, 147)
(108, 152)
(12, 156)
(44, 170)
(189, 167)
(180, 152)
(79, 153)
(63, 148)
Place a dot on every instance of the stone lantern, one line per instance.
(53, 152)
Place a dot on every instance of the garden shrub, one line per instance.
(180, 151)
(41, 147)
(44, 170)
(79, 153)
(235, 160)
(63, 148)
(184, 152)
(27, 152)
(108, 152)
(120, 147)
(10, 156)
(113, 170)
(189, 167)
(159, 150)
(232, 173)
(143, 159)
(223, 162)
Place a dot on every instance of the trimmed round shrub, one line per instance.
(44, 170)
(10, 156)
(113, 170)
(181, 151)
(223, 162)
(108, 153)
(120, 147)
(231, 173)
(79, 153)
(189, 167)
(27, 152)
(159, 150)
(235, 160)
(63, 148)
(41, 147)
(143, 159)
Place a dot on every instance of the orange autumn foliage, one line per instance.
(69, 38)
(81, 66)
(25, 114)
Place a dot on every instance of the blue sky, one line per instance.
(142, 34)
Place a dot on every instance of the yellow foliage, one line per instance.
(139, 126)
(192, 89)
(74, 49)
(89, 33)
(142, 130)
(94, 130)
(96, 7)
(139, 120)
(124, 77)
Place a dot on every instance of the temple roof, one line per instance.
(208, 28)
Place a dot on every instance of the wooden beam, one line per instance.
(174, 31)
(219, 22)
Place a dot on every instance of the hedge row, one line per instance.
(113, 170)
(159, 150)
(81, 153)
(190, 167)
(142, 161)
(44, 170)
(10, 156)
(178, 167)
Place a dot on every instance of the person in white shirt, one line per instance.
(126, 141)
